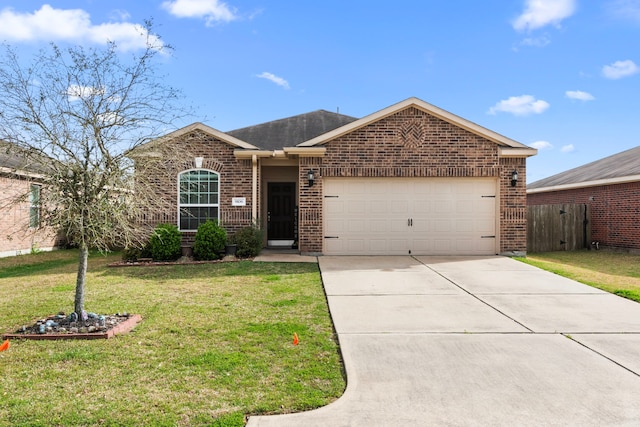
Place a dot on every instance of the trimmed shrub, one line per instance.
(134, 253)
(210, 241)
(131, 254)
(249, 242)
(165, 243)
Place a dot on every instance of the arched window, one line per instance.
(198, 198)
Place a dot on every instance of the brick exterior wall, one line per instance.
(235, 181)
(615, 211)
(15, 235)
(412, 143)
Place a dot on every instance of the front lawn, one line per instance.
(215, 344)
(614, 272)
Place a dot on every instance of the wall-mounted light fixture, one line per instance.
(514, 178)
(311, 177)
(198, 162)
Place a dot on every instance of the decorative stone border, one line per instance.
(161, 263)
(120, 328)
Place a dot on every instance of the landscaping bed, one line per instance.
(61, 326)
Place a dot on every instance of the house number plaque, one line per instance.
(238, 201)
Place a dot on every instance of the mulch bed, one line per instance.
(62, 327)
(181, 261)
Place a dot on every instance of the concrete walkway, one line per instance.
(477, 341)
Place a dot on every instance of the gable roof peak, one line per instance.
(229, 139)
(431, 109)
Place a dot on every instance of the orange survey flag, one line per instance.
(4, 346)
(295, 339)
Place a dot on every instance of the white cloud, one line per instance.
(275, 79)
(540, 13)
(567, 148)
(579, 95)
(625, 9)
(119, 15)
(522, 105)
(211, 11)
(541, 41)
(542, 145)
(70, 25)
(77, 92)
(620, 69)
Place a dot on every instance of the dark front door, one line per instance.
(280, 210)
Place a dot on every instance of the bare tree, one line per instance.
(81, 111)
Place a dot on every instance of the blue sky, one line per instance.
(559, 75)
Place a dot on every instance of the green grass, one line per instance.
(618, 273)
(215, 344)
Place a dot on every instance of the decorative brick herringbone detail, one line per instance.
(412, 134)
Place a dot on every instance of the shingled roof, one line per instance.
(291, 131)
(615, 168)
(12, 161)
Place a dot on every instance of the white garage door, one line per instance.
(419, 216)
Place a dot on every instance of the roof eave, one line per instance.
(516, 152)
(248, 154)
(284, 153)
(305, 151)
(21, 173)
(584, 184)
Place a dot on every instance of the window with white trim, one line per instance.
(198, 198)
(34, 206)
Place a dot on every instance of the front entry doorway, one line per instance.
(281, 214)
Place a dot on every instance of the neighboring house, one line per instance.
(610, 187)
(409, 179)
(21, 229)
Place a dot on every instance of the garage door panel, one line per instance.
(354, 245)
(421, 207)
(335, 228)
(441, 226)
(442, 246)
(465, 206)
(334, 206)
(356, 208)
(485, 209)
(443, 206)
(379, 246)
(422, 245)
(485, 245)
(398, 246)
(356, 226)
(399, 207)
(426, 216)
(464, 226)
(333, 246)
(420, 226)
(378, 225)
(398, 226)
(485, 226)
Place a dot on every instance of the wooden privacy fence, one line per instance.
(561, 227)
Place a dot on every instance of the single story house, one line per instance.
(21, 229)
(409, 179)
(610, 188)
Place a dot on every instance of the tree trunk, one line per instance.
(81, 280)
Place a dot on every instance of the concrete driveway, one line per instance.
(463, 341)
